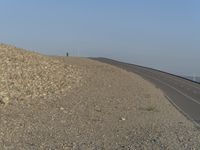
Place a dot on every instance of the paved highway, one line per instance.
(182, 93)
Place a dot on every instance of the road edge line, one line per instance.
(182, 112)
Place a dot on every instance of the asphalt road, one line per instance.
(182, 93)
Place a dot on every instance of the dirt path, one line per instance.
(111, 109)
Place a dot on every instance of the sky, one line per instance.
(163, 34)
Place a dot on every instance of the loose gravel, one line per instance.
(25, 74)
(105, 108)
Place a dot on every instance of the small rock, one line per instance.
(98, 109)
(180, 139)
(4, 100)
(61, 108)
(155, 140)
(122, 118)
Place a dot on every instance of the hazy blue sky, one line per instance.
(164, 34)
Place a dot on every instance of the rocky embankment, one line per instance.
(79, 104)
(25, 75)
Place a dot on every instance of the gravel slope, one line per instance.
(108, 108)
(25, 74)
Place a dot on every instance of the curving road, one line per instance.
(182, 93)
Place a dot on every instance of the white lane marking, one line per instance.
(179, 79)
(185, 82)
(189, 97)
(181, 110)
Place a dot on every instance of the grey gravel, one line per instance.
(107, 108)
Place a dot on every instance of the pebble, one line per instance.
(61, 108)
(122, 118)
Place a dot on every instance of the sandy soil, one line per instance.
(110, 109)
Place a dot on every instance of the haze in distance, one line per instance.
(161, 34)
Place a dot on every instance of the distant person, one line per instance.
(67, 54)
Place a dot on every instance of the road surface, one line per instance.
(182, 93)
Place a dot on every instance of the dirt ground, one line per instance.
(108, 109)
